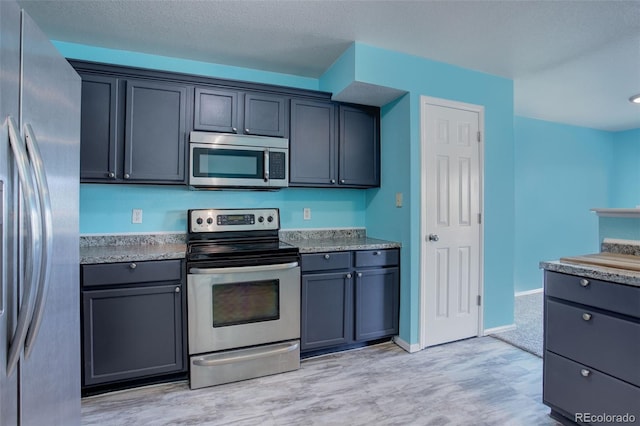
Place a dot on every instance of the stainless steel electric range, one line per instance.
(243, 296)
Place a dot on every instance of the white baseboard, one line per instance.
(525, 293)
(500, 329)
(411, 348)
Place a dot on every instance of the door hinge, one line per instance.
(480, 218)
(479, 137)
(479, 300)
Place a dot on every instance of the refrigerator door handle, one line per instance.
(42, 187)
(33, 245)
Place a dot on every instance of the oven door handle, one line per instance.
(243, 269)
(218, 360)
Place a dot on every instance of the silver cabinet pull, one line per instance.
(349, 276)
(359, 274)
(584, 282)
(234, 129)
(247, 131)
(332, 181)
(112, 175)
(177, 290)
(127, 176)
(377, 253)
(341, 180)
(586, 316)
(133, 266)
(585, 373)
(326, 256)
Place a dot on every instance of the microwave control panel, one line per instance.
(277, 165)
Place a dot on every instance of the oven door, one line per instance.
(242, 306)
(237, 166)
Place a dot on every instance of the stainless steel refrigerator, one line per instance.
(39, 183)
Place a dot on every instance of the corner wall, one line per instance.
(561, 172)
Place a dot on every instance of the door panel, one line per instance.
(451, 230)
(50, 391)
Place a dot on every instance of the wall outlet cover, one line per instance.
(136, 216)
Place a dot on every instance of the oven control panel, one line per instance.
(223, 220)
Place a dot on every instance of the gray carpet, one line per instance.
(528, 319)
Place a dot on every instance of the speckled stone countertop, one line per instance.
(131, 247)
(318, 241)
(141, 247)
(615, 275)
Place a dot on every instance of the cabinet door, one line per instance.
(216, 110)
(326, 314)
(359, 149)
(312, 144)
(155, 132)
(130, 333)
(98, 133)
(264, 115)
(377, 303)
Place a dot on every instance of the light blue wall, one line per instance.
(107, 208)
(625, 190)
(383, 218)
(561, 172)
(626, 228)
(419, 76)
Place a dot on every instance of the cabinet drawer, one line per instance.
(376, 258)
(131, 272)
(575, 388)
(614, 297)
(590, 337)
(326, 261)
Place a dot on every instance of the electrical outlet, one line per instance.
(306, 213)
(398, 199)
(136, 216)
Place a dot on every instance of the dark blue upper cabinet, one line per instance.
(231, 111)
(334, 150)
(216, 110)
(359, 147)
(313, 144)
(265, 115)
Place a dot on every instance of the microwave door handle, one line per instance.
(266, 165)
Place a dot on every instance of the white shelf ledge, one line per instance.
(617, 212)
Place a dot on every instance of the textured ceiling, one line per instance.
(575, 62)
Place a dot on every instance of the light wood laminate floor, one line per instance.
(480, 381)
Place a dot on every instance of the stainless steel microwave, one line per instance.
(221, 160)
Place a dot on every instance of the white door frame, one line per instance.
(427, 100)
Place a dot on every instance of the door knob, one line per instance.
(433, 237)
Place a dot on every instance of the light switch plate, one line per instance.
(398, 199)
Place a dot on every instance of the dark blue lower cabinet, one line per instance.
(377, 302)
(350, 304)
(327, 313)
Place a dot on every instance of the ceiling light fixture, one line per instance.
(635, 99)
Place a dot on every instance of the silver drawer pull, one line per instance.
(326, 256)
(359, 274)
(133, 266)
(177, 290)
(584, 282)
(586, 316)
(349, 276)
(377, 253)
(585, 373)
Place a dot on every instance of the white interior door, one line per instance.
(451, 229)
